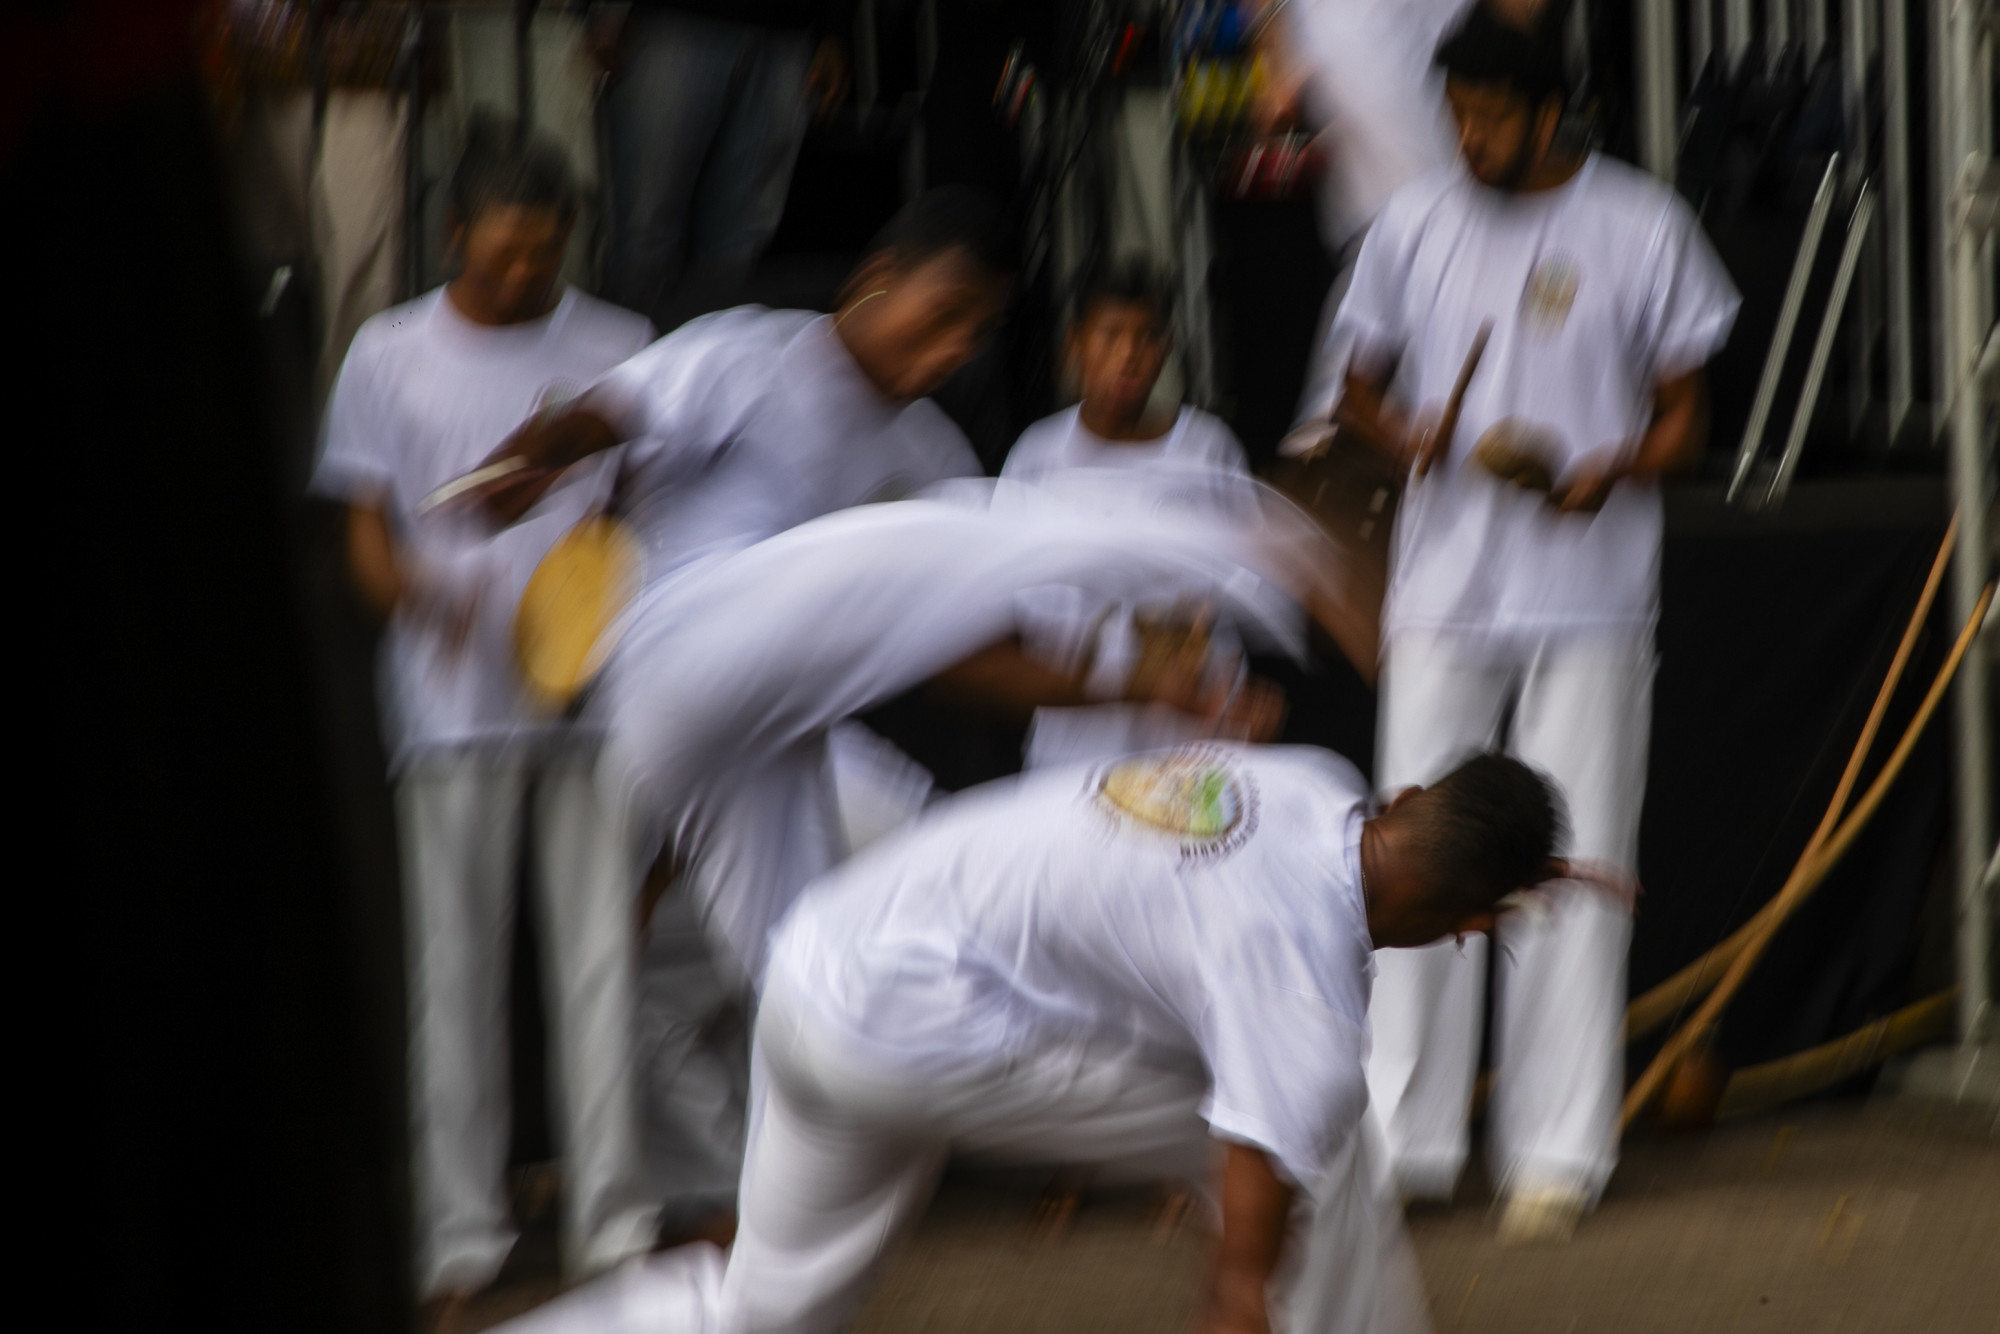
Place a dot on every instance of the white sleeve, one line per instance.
(358, 449)
(1371, 319)
(1220, 448)
(679, 401)
(1285, 1074)
(1690, 303)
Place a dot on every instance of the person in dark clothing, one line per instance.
(708, 104)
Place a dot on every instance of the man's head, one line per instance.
(512, 202)
(928, 292)
(1120, 340)
(1438, 861)
(1507, 88)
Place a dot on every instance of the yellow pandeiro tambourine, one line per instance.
(566, 625)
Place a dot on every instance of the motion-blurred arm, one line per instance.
(546, 445)
(1256, 1202)
(1007, 679)
(389, 581)
(1671, 446)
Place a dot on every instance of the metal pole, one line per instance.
(1857, 50)
(1896, 201)
(1701, 36)
(1781, 336)
(1659, 130)
(1777, 30)
(1815, 29)
(1961, 92)
(1829, 325)
(1944, 177)
(1736, 32)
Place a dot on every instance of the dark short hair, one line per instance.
(499, 167)
(1486, 49)
(948, 218)
(1486, 829)
(1128, 284)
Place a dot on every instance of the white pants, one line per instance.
(843, 1157)
(757, 839)
(694, 1065)
(460, 815)
(1579, 708)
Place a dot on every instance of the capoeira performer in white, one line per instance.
(425, 391)
(1151, 965)
(1522, 614)
(720, 704)
(1116, 444)
(733, 428)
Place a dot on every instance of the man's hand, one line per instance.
(1428, 441)
(827, 78)
(1587, 487)
(1255, 1205)
(545, 446)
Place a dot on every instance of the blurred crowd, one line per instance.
(708, 607)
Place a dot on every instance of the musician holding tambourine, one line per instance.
(426, 390)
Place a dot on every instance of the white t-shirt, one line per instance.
(1052, 444)
(1598, 290)
(1198, 904)
(1371, 82)
(422, 397)
(751, 421)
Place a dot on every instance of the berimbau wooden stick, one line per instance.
(1693, 982)
(1805, 877)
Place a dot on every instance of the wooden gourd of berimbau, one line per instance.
(569, 615)
(1350, 482)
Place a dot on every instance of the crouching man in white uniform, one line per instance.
(1522, 614)
(1154, 966)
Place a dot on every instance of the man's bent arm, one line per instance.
(371, 558)
(1364, 411)
(1256, 1202)
(546, 445)
(1674, 442)
(1005, 678)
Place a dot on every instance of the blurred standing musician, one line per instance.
(425, 390)
(1360, 72)
(736, 427)
(1519, 615)
(1118, 346)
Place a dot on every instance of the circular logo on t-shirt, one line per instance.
(1194, 795)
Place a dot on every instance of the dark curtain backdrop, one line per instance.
(1775, 635)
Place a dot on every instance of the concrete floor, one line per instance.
(1840, 1218)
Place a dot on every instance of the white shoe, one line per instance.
(1542, 1213)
